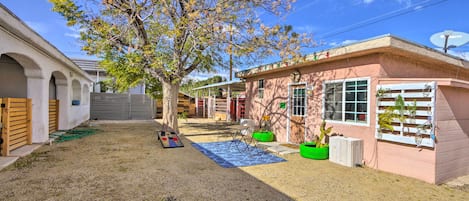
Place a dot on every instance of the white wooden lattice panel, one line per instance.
(424, 96)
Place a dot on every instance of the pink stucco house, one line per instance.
(350, 85)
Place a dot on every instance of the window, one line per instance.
(346, 101)
(260, 88)
(76, 90)
(299, 102)
(333, 101)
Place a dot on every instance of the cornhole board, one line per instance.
(169, 139)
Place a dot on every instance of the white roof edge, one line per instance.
(28, 35)
(218, 84)
(381, 41)
(82, 64)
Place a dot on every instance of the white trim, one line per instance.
(368, 100)
(263, 88)
(408, 95)
(412, 130)
(289, 106)
(288, 114)
(348, 123)
(306, 111)
(409, 86)
(433, 111)
(418, 103)
(417, 113)
(406, 140)
(428, 142)
(323, 116)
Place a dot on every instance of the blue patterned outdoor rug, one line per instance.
(230, 154)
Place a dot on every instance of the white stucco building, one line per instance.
(99, 75)
(31, 67)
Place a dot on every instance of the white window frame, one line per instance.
(289, 115)
(304, 105)
(368, 101)
(259, 89)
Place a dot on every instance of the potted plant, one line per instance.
(385, 120)
(264, 134)
(400, 106)
(317, 149)
(382, 92)
(412, 110)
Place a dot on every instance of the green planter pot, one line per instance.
(309, 150)
(263, 136)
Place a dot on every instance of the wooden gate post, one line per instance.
(6, 127)
(1, 125)
(29, 107)
(57, 103)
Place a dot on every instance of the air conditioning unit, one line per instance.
(346, 151)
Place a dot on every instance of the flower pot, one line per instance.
(263, 136)
(309, 150)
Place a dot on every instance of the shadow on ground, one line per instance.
(124, 161)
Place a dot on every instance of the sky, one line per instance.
(332, 22)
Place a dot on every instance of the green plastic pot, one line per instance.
(309, 150)
(263, 136)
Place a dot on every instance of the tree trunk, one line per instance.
(170, 106)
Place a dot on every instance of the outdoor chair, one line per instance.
(243, 138)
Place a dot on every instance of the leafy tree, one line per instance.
(166, 40)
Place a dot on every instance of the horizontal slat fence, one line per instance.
(16, 120)
(185, 105)
(53, 115)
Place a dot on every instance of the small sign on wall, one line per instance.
(283, 105)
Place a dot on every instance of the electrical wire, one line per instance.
(380, 18)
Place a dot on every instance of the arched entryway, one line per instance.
(13, 81)
(57, 101)
(76, 92)
(86, 95)
(18, 75)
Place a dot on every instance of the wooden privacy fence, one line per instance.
(186, 105)
(16, 121)
(53, 115)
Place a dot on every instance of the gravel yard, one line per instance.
(123, 161)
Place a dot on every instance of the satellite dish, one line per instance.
(449, 39)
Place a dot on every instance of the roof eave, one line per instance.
(384, 44)
(31, 37)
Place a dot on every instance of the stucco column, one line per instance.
(38, 92)
(64, 104)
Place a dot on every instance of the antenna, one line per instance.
(449, 39)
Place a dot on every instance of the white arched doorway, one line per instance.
(76, 93)
(58, 99)
(21, 92)
(86, 95)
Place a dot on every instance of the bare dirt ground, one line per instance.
(125, 162)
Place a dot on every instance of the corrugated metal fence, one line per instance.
(106, 106)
